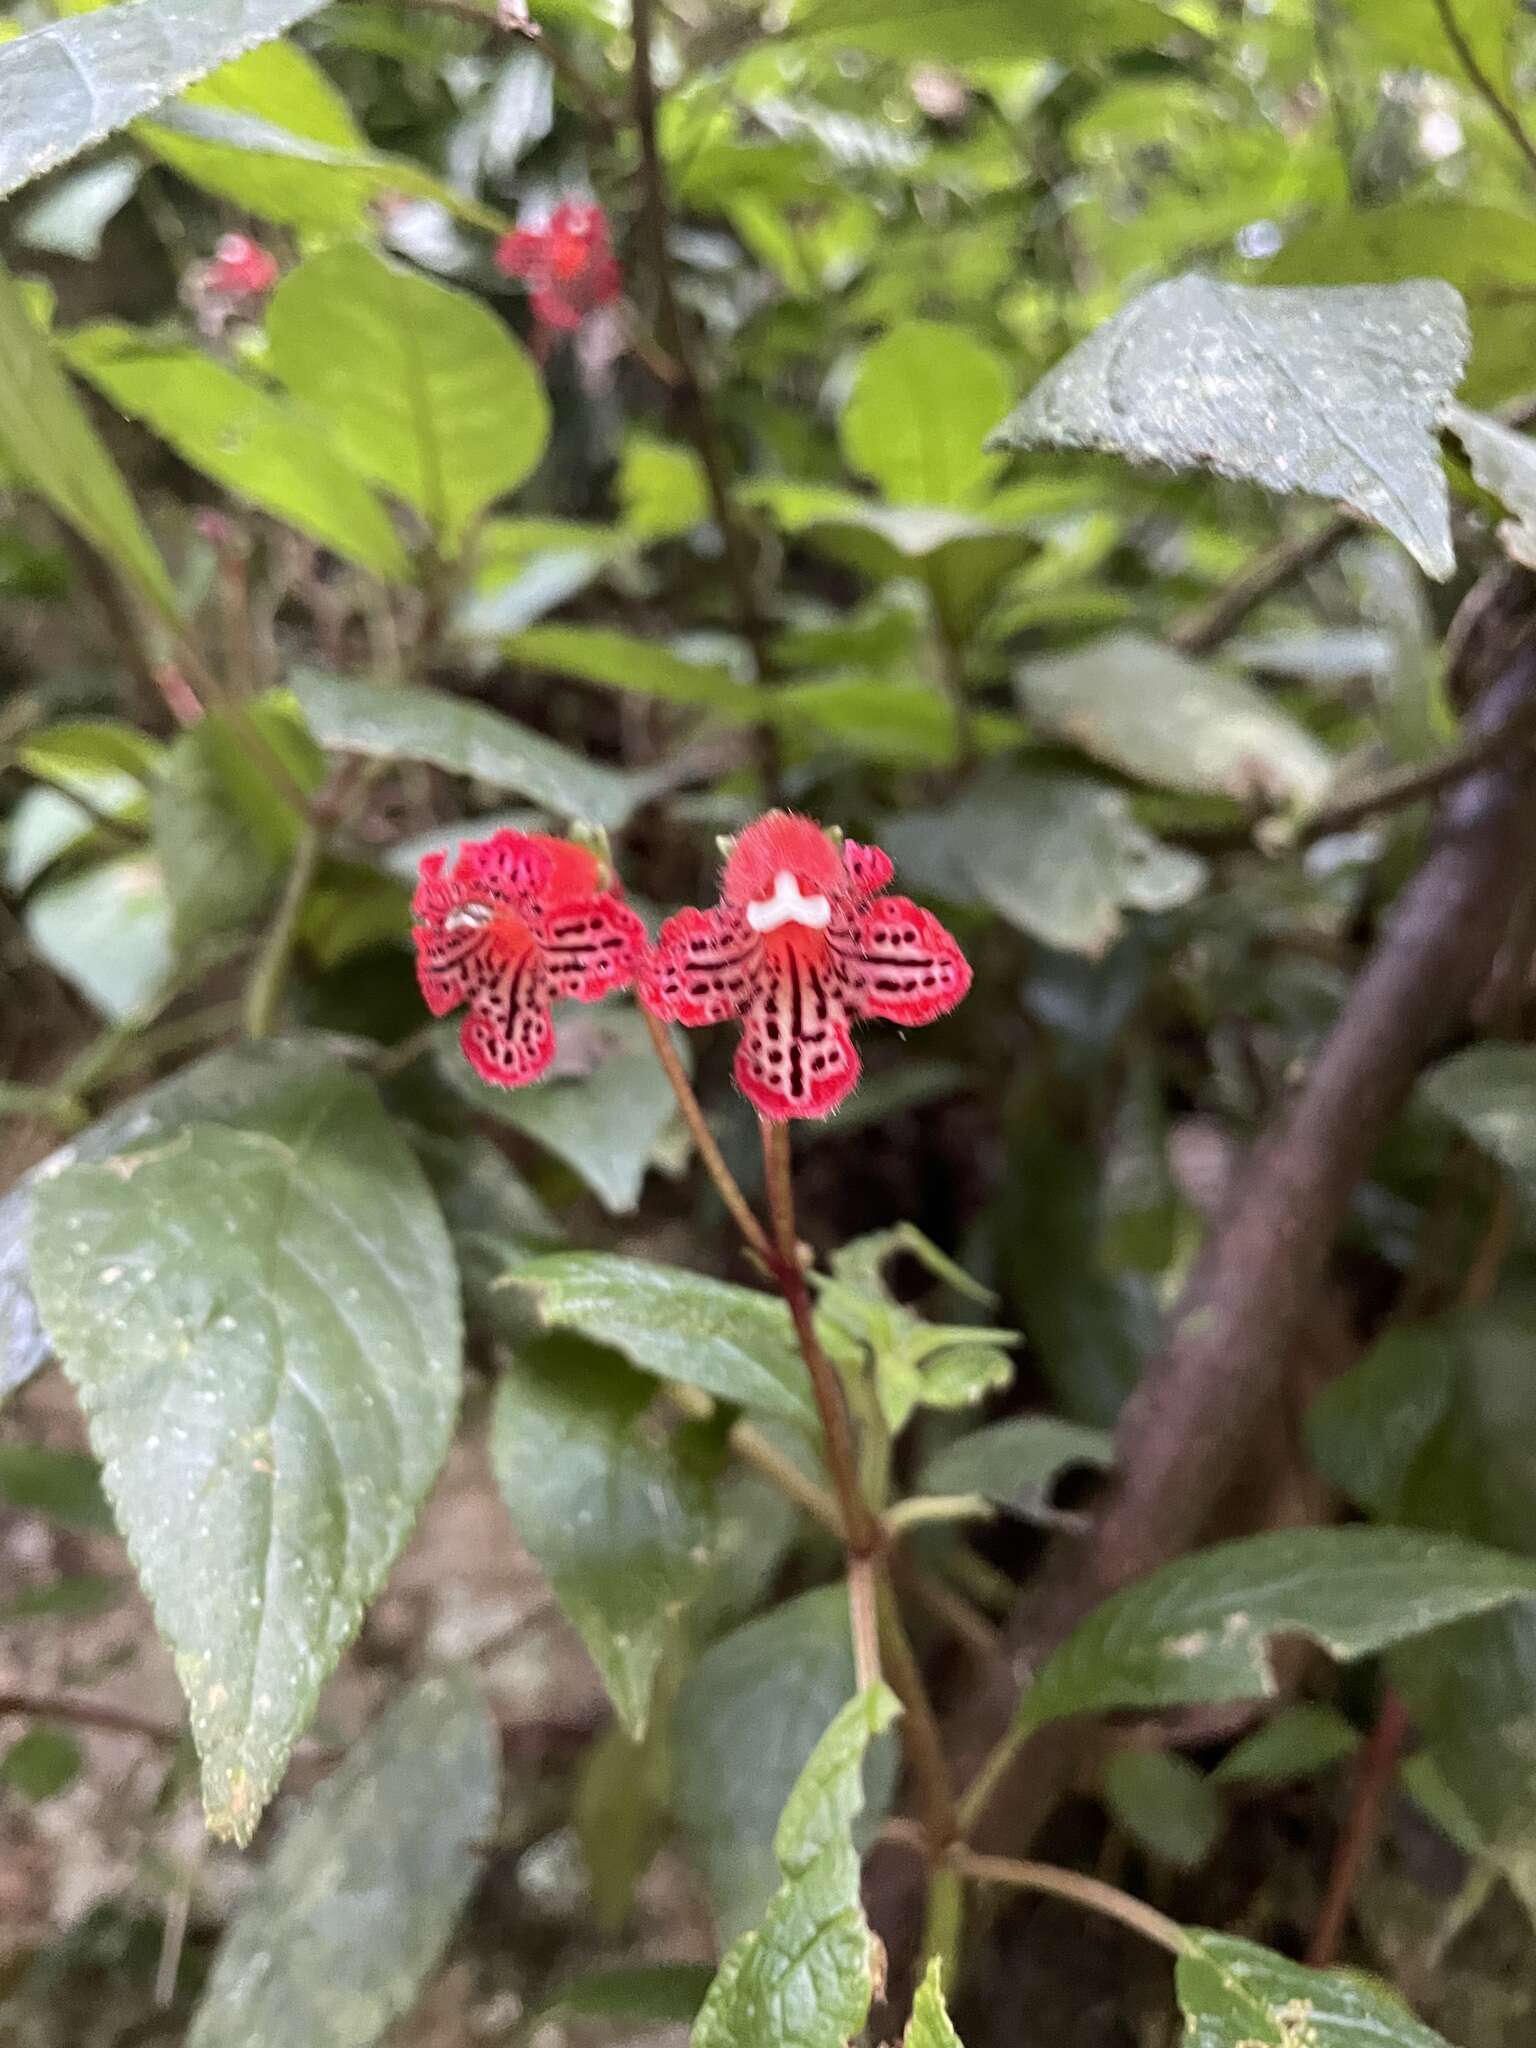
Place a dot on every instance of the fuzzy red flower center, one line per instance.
(802, 944)
(520, 920)
(568, 264)
(241, 267)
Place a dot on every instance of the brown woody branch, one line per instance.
(1191, 1422)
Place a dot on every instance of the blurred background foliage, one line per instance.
(430, 566)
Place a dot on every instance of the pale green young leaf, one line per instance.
(1234, 1994)
(255, 443)
(807, 1973)
(982, 31)
(71, 83)
(734, 1342)
(1177, 724)
(267, 1426)
(46, 436)
(923, 402)
(351, 1913)
(1202, 1628)
(424, 388)
(613, 1516)
(1337, 392)
(108, 930)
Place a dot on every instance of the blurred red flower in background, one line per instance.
(568, 265)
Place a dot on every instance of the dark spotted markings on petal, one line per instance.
(898, 962)
(870, 868)
(796, 1057)
(510, 869)
(703, 969)
(590, 948)
(452, 964)
(509, 1035)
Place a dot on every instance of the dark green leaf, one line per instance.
(732, 1341)
(1234, 1994)
(623, 661)
(1017, 1463)
(1201, 1629)
(1161, 1799)
(63, 1485)
(1489, 1091)
(639, 1995)
(267, 1425)
(41, 1764)
(748, 1717)
(355, 1905)
(614, 1517)
(1299, 1742)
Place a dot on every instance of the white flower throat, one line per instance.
(787, 906)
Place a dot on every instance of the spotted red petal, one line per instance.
(898, 962)
(451, 964)
(781, 842)
(519, 253)
(870, 868)
(509, 869)
(591, 947)
(796, 1057)
(509, 1036)
(702, 968)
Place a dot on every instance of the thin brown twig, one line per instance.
(1204, 630)
(704, 426)
(1092, 1893)
(1506, 114)
(1375, 1769)
(921, 1734)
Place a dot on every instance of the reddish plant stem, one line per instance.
(1374, 1771)
(753, 1234)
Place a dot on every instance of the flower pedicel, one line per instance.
(802, 943)
(520, 921)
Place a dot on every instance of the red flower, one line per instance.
(802, 943)
(521, 920)
(568, 265)
(241, 268)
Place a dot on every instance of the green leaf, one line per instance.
(81, 1597)
(226, 1085)
(606, 1114)
(424, 388)
(46, 824)
(807, 1973)
(613, 1515)
(63, 1485)
(1411, 33)
(1200, 1629)
(267, 1425)
(662, 490)
(72, 216)
(732, 1341)
(41, 1764)
(1018, 1462)
(354, 1908)
(930, 2025)
(923, 402)
(1335, 392)
(256, 445)
(983, 31)
(1169, 1806)
(1489, 1092)
(400, 723)
(72, 83)
(1504, 463)
(637, 1994)
(44, 432)
(623, 661)
(1057, 855)
(218, 874)
(1299, 1742)
(1486, 253)
(1175, 723)
(1234, 1994)
(108, 931)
